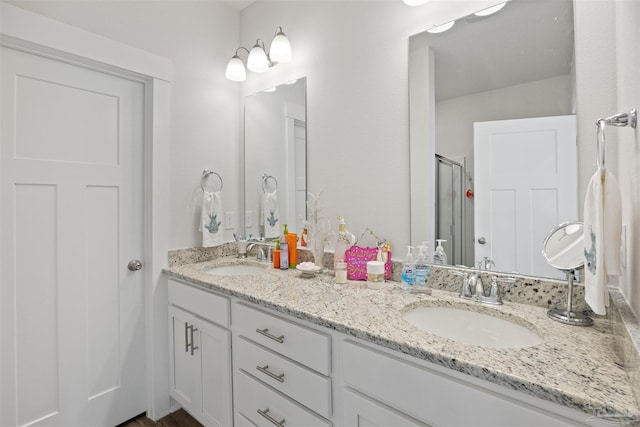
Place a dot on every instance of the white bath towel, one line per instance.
(269, 215)
(602, 235)
(212, 218)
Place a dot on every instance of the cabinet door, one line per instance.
(214, 345)
(360, 411)
(186, 383)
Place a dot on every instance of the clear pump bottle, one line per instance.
(408, 275)
(422, 270)
(342, 243)
(440, 256)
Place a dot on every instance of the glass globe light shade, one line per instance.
(490, 10)
(280, 48)
(415, 2)
(235, 70)
(257, 61)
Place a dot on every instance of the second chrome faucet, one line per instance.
(473, 288)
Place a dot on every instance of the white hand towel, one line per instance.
(270, 215)
(212, 218)
(602, 235)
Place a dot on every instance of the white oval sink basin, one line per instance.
(471, 328)
(236, 270)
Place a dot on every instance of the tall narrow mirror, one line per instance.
(275, 168)
(490, 101)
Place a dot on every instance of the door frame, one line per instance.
(29, 32)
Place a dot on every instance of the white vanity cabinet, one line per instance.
(282, 370)
(289, 372)
(382, 389)
(200, 353)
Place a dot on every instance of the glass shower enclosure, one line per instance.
(450, 224)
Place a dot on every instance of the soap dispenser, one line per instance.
(408, 275)
(440, 256)
(421, 269)
(344, 242)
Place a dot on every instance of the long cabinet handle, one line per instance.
(265, 414)
(186, 337)
(193, 347)
(266, 333)
(265, 370)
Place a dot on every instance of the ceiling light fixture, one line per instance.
(258, 59)
(415, 2)
(490, 10)
(441, 28)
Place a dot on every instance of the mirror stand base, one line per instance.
(570, 317)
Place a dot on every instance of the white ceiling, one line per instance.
(239, 4)
(527, 40)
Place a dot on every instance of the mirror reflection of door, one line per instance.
(525, 184)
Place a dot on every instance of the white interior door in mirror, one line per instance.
(526, 184)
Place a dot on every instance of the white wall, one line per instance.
(628, 85)
(607, 75)
(355, 57)
(199, 37)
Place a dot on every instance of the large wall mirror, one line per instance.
(490, 101)
(275, 160)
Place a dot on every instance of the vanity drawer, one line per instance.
(434, 397)
(200, 302)
(304, 345)
(258, 403)
(299, 383)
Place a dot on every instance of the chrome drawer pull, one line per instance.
(186, 337)
(265, 414)
(266, 333)
(265, 370)
(193, 347)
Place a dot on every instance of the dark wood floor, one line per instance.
(176, 419)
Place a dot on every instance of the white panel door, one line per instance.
(72, 314)
(526, 183)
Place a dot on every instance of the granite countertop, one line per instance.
(574, 366)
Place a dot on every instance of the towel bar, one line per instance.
(618, 120)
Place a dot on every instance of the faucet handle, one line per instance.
(494, 293)
(465, 290)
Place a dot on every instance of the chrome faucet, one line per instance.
(262, 253)
(473, 288)
(475, 285)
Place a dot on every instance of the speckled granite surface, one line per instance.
(575, 367)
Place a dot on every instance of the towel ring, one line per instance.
(265, 184)
(205, 180)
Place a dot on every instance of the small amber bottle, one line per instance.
(276, 254)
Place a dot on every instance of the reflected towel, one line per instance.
(602, 235)
(269, 215)
(212, 218)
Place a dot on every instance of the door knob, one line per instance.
(482, 240)
(134, 265)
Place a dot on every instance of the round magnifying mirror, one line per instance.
(563, 248)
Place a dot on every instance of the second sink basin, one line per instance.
(236, 270)
(471, 327)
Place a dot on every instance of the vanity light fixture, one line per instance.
(441, 28)
(490, 10)
(258, 59)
